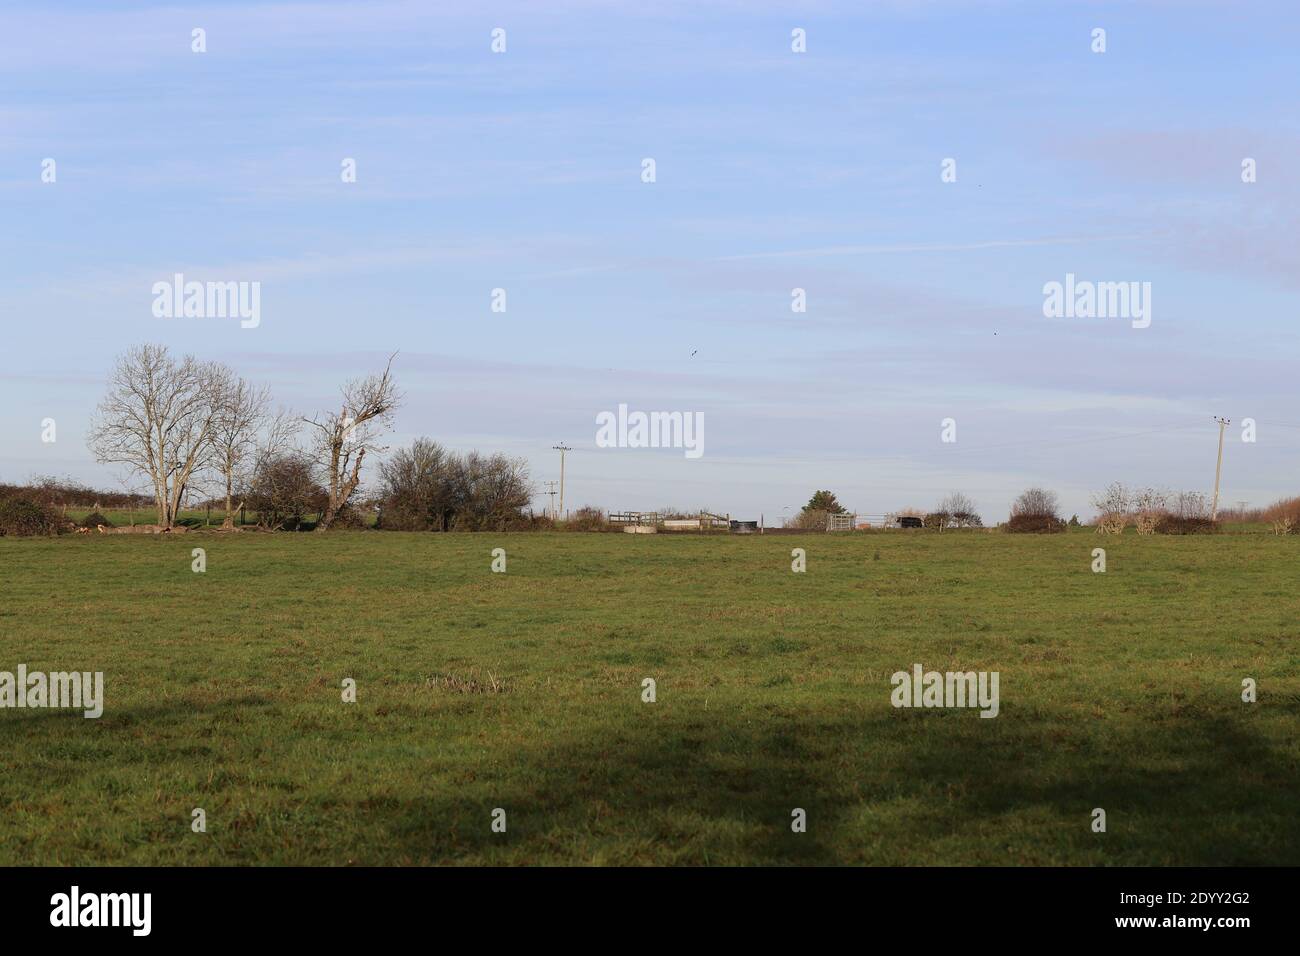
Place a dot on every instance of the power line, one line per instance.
(959, 449)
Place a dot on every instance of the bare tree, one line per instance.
(429, 488)
(343, 439)
(1149, 505)
(1191, 504)
(417, 487)
(1036, 501)
(241, 415)
(960, 510)
(283, 490)
(1113, 506)
(158, 419)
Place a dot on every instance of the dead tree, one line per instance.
(343, 439)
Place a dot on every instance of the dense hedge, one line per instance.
(1034, 524)
(57, 492)
(1172, 524)
(19, 516)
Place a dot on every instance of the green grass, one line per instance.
(522, 691)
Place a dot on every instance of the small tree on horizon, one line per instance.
(826, 502)
(960, 510)
(1037, 502)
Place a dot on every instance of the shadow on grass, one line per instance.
(1206, 791)
(686, 786)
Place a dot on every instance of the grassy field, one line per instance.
(523, 691)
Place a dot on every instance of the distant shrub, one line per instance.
(813, 516)
(960, 509)
(94, 519)
(284, 491)
(1190, 504)
(1035, 512)
(1112, 523)
(936, 520)
(427, 488)
(585, 519)
(1176, 524)
(1149, 506)
(1034, 524)
(1036, 502)
(21, 517)
(351, 518)
(397, 518)
(521, 521)
(808, 520)
(1283, 515)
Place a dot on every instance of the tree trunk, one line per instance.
(160, 500)
(229, 520)
(341, 488)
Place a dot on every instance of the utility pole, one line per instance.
(1218, 467)
(551, 491)
(561, 448)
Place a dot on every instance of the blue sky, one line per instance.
(775, 170)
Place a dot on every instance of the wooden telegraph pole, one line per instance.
(1218, 468)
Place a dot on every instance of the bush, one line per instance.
(394, 517)
(1036, 502)
(427, 488)
(1111, 522)
(19, 517)
(94, 519)
(808, 520)
(350, 518)
(1035, 512)
(1034, 524)
(960, 510)
(58, 492)
(284, 491)
(936, 520)
(585, 519)
(1284, 516)
(1176, 524)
